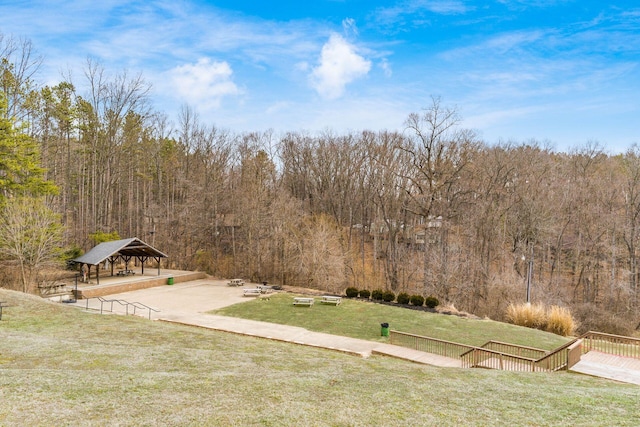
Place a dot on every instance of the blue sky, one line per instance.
(566, 72)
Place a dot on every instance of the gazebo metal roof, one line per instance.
(132, 247)
(124, 249)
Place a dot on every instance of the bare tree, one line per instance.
(439, 154)
(631, 234)
(19, 64)
(30, 233)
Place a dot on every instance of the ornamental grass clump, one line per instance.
(557, 320)
(528, 315)
(560, 321)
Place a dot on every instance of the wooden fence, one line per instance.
(479, 357)
(429, 345)
(500, 355)
(493, 354)
(611, 344)
(516, 350)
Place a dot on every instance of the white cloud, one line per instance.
(349, 26)
(339, 65)
(414, 9)
(386, 68)
(204, 83)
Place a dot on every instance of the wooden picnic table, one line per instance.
(265, 289)
(303, 301)
(252, 292)
(125, 272)
(330, 299)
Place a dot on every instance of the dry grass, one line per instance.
(560, 321)
(527, 315)
(557, 320)
(62, 366)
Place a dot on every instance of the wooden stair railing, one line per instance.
(499, 355)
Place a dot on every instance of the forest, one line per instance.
(429, 208)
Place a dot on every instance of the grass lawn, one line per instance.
(360, 319)
(61, 366)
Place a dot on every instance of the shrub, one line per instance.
(529, 315)
(560, 321)
(351, 292)
(431, 302)
(365, 293)
(403, 298)
(591, 317)
(376, 294)
(417, 300)
(388, 296)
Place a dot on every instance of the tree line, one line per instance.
(430, 209)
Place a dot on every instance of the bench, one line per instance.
(265, 289)
(329, 299)
(303, 301)
(252, 292)
(236, 282)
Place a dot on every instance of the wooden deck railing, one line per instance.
(611, 344)
(492, 355)
(429, 345)
(574, 351)
(499, 355)
(516, 350)
(555, 360)
(483, 358)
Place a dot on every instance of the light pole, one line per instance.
(529, 274)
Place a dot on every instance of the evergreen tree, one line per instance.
(20, 171)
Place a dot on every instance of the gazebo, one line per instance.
(124, 250)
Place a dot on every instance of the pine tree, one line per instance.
(20, 171)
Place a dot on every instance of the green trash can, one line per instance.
(384, 329)
(170, 281)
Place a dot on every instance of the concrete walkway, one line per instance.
(186, 303)
(297, 335)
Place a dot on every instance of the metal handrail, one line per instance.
(142, 306)
(126, 304)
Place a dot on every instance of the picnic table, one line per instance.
(330, 299)
(125, 272)
(236, 282)
(252, 292)
(303, 301)
(265, 289)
